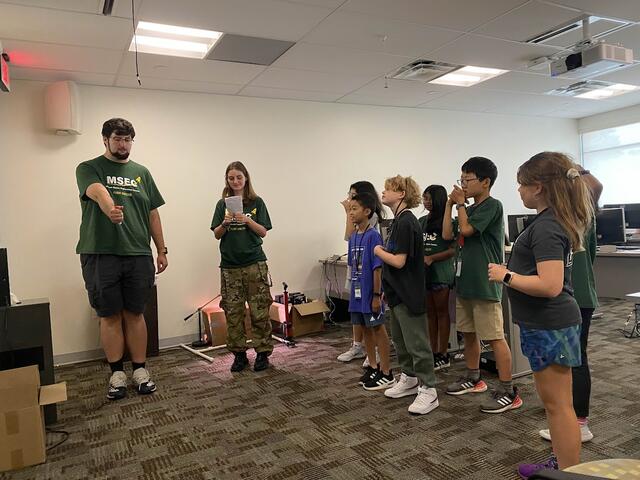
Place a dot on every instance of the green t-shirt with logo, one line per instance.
(475, 253)
(240, 246)
(130, 185)
(584, 283)
(438, 272)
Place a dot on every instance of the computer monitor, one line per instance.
(610, 226)
(517, 223)
(631, 213)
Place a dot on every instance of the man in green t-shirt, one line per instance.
(478, 302)
(120, 201)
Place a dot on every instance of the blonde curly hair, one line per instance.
(411, 189)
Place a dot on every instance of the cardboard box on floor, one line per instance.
(306, 318)
(22, 434)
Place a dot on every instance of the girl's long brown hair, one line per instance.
(248, 195)
(564, 191)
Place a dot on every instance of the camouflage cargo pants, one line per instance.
(251, 285)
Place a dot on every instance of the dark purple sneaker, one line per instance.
(527, 469)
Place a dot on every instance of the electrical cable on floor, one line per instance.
(60, 442)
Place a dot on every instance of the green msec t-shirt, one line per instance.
(584, 283)
(476, 252)
(438, 272)
(130, 185)
(240, 246)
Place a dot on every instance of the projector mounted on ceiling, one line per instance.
(591, 61)
(585, 59)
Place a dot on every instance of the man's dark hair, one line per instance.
(365, 200)
(482, 168)
(118, 125)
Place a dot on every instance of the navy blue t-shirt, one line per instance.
(363, 262)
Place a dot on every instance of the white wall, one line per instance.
(615, 118)
(302, 157)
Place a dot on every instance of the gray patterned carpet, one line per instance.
(305, 418)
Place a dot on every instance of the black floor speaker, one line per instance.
(5, 296)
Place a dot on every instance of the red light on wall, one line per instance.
(5, 81)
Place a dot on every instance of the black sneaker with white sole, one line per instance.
(441, 361)
(142, 381)
(368, 373)
(380, 381)
(117, 386)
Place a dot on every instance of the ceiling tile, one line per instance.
(320, 3)
(527, 21)
(177, 68)
(374, 34)
(279, 20)
(490, 52)
(525, 83)
(71, 28)
(620, 9)
(321, 58)
(265, 92)
(20, 73)
(86, 6)
(463, 15)
(284, 78)
(630, 75)
(178, 85)
(62, 57)
(400, 93)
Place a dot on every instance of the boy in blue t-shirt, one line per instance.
(365, 304)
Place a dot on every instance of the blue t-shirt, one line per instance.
(363, 262)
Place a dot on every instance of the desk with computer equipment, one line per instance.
(617, 265)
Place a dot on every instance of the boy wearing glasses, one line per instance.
(120, 201)
(478, 302)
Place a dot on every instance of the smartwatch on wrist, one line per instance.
(460, 205)
(165, 250)
(507, 278)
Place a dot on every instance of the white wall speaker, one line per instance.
(62, 108)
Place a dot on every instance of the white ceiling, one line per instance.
(343, 51)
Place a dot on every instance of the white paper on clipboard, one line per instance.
(234, 204)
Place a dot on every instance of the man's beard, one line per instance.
(118, 155)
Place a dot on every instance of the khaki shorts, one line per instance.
(483, 317)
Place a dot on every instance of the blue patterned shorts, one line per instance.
(546, 347)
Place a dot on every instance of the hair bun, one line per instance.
(572, 173)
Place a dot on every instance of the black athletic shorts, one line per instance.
(115, 282)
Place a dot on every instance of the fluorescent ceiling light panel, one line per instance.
(608, 92)
(593, 90)
(173, 40)
(468, 76)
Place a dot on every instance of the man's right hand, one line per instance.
(116, 214)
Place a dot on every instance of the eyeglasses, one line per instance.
(464, 181)
(127, 140)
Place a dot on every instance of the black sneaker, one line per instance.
(262, 361)
(502, 401)
(442, 361)
(380, 381)
(117, 386)
(240, 361)
(368, 373)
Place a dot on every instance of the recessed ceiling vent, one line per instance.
(423, 70)
(252, 50)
